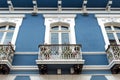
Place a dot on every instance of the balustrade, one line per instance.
(6, 57)
(6, 53)
(113, 52)
(60, 51)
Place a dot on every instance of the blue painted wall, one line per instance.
(88, 33)
(31, 33)
(25, 59)
(95, 59)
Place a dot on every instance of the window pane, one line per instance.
(65, 38)
(8, 37)
(54, 28)
(11, 27)
(110, 36)
(1, 35)
(108, 28)
(118, 35)
(54, 38)
(2, 27)
(116, 28)
(64, 28)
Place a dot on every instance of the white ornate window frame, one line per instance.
(13, 18)
(102, 20)
(65, 18)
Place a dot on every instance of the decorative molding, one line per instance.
(107, 15)
(12, 15)
(59, 15)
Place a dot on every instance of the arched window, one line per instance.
(113, 33)
(6, 32)
(110, 25)
(59, 34)
(60, 29)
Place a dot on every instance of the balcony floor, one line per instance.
(60, 61)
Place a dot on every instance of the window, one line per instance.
(59, 35)
(110, 27)
(60, 29)
(113, 33)
(6, 33)
(9, 27)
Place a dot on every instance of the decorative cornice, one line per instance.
(59, 15)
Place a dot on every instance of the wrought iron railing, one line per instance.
(6, 52)
(60, 51)
(113, 52)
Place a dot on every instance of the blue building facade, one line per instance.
(59, 41)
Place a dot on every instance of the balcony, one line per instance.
(113, 55)
(57, 55)
(6, 57)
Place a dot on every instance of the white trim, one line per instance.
(111, 64)
(12, 15)
(85, 67)
(89, 53)
(55, 10)
(24, 68)
(63, 61)
(65, 18)
(95, 67)
(107, 15)
(59, 15)
(6, 62)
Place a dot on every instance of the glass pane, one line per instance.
(108, 28)
(8, 37)
(65, 38)
(11, 27)
(110, 36)
(2, 27)
(55, 28)
(116, 28)
(1, 35)
(54, 38)
(64, 28)
(118, 35)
